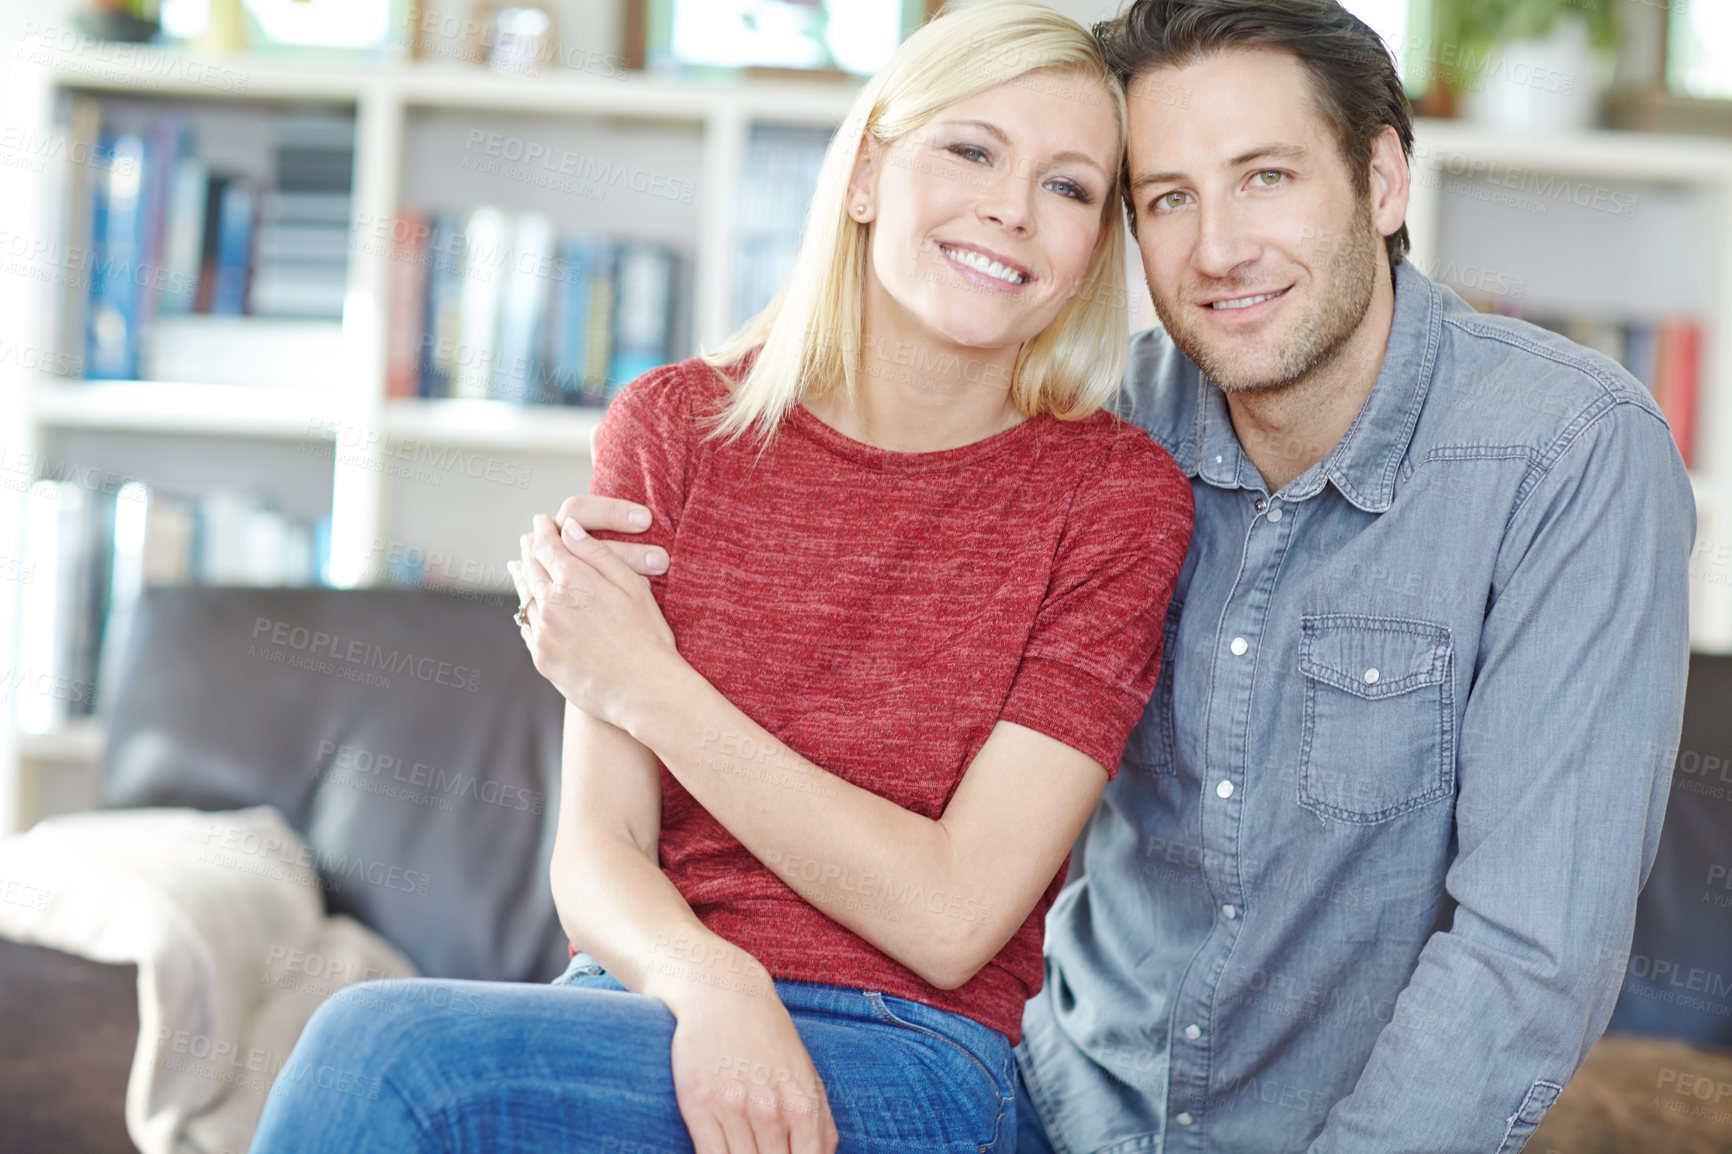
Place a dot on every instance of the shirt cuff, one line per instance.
(1073, 707)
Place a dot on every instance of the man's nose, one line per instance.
(1224, 240)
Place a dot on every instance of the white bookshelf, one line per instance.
(411, 121)
(1595, 250)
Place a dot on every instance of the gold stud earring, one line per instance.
(859, 210)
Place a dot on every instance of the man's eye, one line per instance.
(1171, 200)
(1269, 178)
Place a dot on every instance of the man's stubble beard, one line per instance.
(1336, 315)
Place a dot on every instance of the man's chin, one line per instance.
(1235, 372)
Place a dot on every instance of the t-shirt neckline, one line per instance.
(891, 460)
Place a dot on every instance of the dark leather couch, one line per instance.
(324, 702)
(400, 729)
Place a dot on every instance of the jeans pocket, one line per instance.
(996, 1069)
(580, 966)
(1379, 716)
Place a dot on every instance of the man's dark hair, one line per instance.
(1352, 73)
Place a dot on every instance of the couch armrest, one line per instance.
(68, 1028)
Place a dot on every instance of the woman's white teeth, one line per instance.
(985, 264)
(1243, 302)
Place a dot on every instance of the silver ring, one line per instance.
(522, 614)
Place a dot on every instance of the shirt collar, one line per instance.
(1364, 463)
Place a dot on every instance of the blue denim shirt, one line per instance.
(1367, 878)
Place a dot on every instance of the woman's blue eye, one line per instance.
(970, 151)
(1071, 189)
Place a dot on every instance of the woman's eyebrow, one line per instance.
(998, 134)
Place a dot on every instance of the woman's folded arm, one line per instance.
(974, 873)
(611, 895)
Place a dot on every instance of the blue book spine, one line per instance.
(118, 237)
(643, 313)
(234, 249)
(444, 303)
(568, 342)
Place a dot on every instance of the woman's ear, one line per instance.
(862, 205)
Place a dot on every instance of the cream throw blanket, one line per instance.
(222, 914)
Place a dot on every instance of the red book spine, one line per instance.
(408, 299)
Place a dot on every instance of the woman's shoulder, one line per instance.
(1105, 449)
(681, 388)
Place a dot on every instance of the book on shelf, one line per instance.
(511, 309)
(407, 290)
(119, 211)
(171, 231)
(302, 255)
(1664, 353)
(486, 240)
(87, 554)
(643, 309)
(779, 176)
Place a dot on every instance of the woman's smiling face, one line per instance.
(985, 218)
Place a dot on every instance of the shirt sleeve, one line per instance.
(1094, 655)
(1565, 755)
(643, 453)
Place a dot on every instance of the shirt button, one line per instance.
(1183, 1119)
(1193, 1032)
(1229, 912)
(1260, 505)
(1371, 676)
(1275, 513)
(1239, 646)
(1224, 790)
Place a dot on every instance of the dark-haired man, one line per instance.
(1368, 878)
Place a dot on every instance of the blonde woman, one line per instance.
(822, 776)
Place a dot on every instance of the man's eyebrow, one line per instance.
(1293, 152)
(997, 134)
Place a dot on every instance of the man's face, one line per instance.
(1261, 257)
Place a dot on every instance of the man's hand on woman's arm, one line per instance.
(940, 896)
(614, 900)
(610, 514)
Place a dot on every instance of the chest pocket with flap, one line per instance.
(1379, 728)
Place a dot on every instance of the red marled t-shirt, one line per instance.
(879, 612)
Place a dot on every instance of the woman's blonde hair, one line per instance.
(811, 332)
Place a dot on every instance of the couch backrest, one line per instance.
(404, 733)
(1679, 979)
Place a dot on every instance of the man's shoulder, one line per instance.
(1502, 381)
(1160, 395)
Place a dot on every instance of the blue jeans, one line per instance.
(424, 1064)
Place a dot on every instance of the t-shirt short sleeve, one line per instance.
(1092, 660)
(643, 451)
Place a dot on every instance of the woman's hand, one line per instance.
(743, 1079)
(595, 513)
(595, 630)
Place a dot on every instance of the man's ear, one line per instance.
(1390, 182)
(862, 201)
